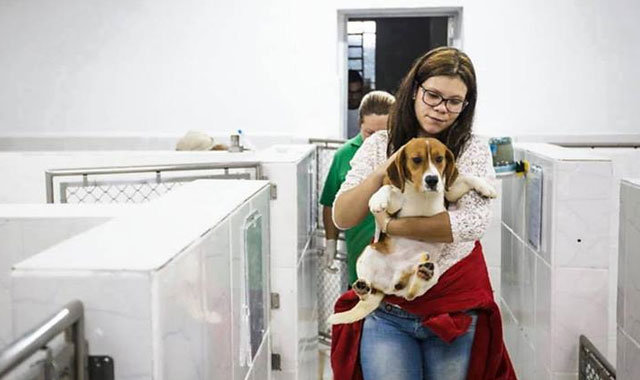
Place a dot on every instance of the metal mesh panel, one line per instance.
(133, 184)
(134, 191)
(114, 192)
(330, 285)
(592, 364)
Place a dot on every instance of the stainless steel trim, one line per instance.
(71, 316)
(109, 170)
(151, 168)
(326, 141)
(634, 145)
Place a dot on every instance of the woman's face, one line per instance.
(373, 123)
(435, 119)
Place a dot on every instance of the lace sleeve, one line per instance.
(371, 154)
(471, 217)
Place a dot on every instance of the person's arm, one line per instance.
(435, 229)
(331, 233)
(330, 229)
(472, 214)
(352, 201)
(352, 206)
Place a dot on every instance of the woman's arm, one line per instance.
(352, 206)
(434, 229)
(368, 166)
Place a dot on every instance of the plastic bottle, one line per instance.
(245, 142)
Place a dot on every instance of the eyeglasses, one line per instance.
(433, 99)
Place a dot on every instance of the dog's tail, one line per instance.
(361, 310)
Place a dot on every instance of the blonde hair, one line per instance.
(376, 102)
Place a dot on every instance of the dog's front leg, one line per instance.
(396, 200)
(388, 198)
(379, 201)
(464, 184)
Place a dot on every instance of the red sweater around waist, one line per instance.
(464, 286)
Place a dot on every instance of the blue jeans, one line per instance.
(395, 345)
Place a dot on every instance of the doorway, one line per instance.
(379, 47)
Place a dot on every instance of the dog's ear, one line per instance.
(396, 170)
(450, 170)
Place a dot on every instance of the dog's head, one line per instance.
(425, 162)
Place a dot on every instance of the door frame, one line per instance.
(454, 37)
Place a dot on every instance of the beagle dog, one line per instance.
(417, 183)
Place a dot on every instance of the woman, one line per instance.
(453, 331)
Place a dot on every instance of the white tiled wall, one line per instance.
(625, 165)
(293, 265)
(22, 237)
(290, 167)
(628, 300)
(117, 313)
(552, 294)
(166, 142)
(492, 239)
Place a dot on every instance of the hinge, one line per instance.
(275, 300)
(274, 191)
(276, 362)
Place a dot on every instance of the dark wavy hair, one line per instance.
(403, 125)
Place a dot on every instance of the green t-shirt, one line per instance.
(358, 237)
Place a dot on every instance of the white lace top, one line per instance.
(470, 216)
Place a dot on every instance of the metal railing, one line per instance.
(72, 356)
(592, 145)
(136, 190)
(592, 365)
(330, 285)
(325, 149)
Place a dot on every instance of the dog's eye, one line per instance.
(439, 159)
(417, 160)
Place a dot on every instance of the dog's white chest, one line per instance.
(421, 203)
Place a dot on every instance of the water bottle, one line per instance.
(244, 141)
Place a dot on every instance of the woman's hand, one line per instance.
(381, 171)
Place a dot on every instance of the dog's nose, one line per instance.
(431, 181)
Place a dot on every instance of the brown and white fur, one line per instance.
(416, 184)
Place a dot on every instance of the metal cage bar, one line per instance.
(70, 319)
(592, 365)
(330, 285)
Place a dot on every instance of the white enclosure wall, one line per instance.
(555, 281)
(26, 230)
(167, 299)
(164, 66)
(628, 331)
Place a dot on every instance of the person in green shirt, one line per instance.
(373, 114)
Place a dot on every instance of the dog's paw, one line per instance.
(379, 201)
(486, 189)
(426, 271)
(378, 204)
(361, 287)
